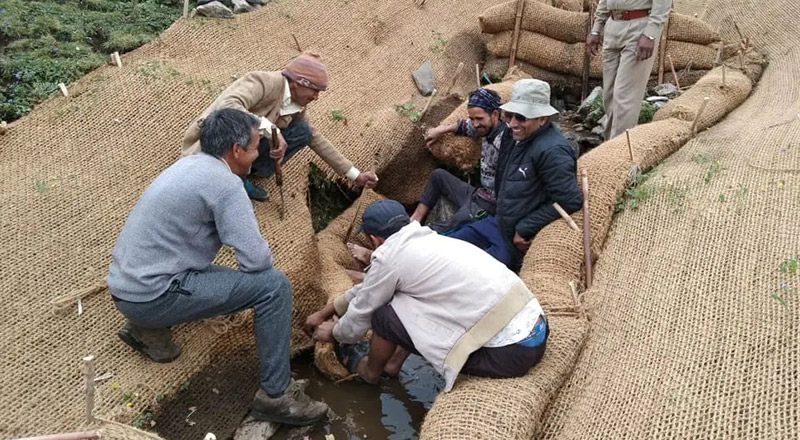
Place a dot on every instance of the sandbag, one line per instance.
(545, 52)
(570, 26)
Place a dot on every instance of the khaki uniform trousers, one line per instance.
(624, 78)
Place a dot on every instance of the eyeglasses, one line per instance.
(516, 116)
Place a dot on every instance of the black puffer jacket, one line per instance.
(531, 176)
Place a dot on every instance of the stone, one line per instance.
(603, 121)
(214, 9)
(252, 429)
(240, 6)
(423, 78)
(585, 106)
(441, 211)
(599, 130)
(593, 117)
(653, 99)
(666, 89)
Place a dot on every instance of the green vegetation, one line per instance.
(789, 265)
(338, 115)
(46, 42)
(647, 112)
(438, 43)
(144, 420)
(327, 198)
(637, 193)
(408, 110)
(714, 166)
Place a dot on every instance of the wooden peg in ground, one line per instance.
(587, 242)
(427, 104)
(185, 8)
(674, 75)
(455, 78)
(63, 88)
(278, 170)
(116, 59)
(3, 127)
(741, 62)
(697, 116)
(82, 435)
(634, 172)
(565, 216)
(88, 374)
(662, 50)
(478, 74)
(723, 76)
(297, 43)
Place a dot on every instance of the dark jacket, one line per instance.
(531, 176)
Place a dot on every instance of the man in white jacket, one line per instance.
(435, 296)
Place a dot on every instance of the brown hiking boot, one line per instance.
(154, 343)
(294, 407)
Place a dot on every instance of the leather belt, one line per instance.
(629, 15)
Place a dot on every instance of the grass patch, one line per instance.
(408, 110)
(46, 42)
(637, 193)
(338, 115)
(647, 112)
(438, 43)
(327, 198)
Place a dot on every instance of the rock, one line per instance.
(585, 106)
(583, 141)
(252, 429)
(214, 9)
(423, 78)
(603, 121)
(441, 211)
(599, 130)
(578, 128)
(666, 89)
(558, 104)
(653, 99)
(240, 6)
(593, 117)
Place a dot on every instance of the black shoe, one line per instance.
(255, 192)
(154, 343)
(294, 407)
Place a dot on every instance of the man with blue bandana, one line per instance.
(483, 122)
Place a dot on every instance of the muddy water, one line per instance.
(393, 409)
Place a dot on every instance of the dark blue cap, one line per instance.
(383, 218)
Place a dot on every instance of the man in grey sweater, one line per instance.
(161, 272)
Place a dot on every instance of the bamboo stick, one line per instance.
(80, 435)
(587, 243)
(63, 88)
(478, 75)
(88, 374)
(427, 104)
(185, 8)
(297, 43)
(630, 149)
(662, 50)
(697, 116)
(566, 217)
(674, 75)
(455, 78)
(512, 56)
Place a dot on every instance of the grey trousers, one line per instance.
(624, 78)
(458, 192)
(219, 291)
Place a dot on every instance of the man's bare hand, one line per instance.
(324, 332)
(368, 179)
(432, 135)
(644, 49)
(521, 243)
(278, 153)
(593, 44)
(313, 321)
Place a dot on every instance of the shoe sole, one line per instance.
(263, 417)
(138, 346)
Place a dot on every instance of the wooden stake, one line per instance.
(427, 104)
(455, 78)
(662, 50)
(587, 59)
(66, 436)
(3, 127)
(718, 60)
(278, 170)
(630, 150)
(741, 62)
(739, 32)
(185, 8)
(674, 75)
(116, 59)
(576, 299)
(478, 75)
(566, 217)
(63, 88)
(587, 243)
(697, 116)
(88, 375)
(512, 56)
(723, 76)
(297, 43)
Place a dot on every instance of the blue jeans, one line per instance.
(485, 234)
(297, 135)
(221, 290)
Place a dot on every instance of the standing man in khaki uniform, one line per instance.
(629, 31)
(279, 99)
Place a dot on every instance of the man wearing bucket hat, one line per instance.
(536, 168)
(279, 99)
(629, 31)
(440, 298)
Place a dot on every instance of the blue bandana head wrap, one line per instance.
(484, 99)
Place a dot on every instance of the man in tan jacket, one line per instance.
(629, 31)
(279, 99)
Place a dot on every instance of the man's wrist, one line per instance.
(352, 173)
